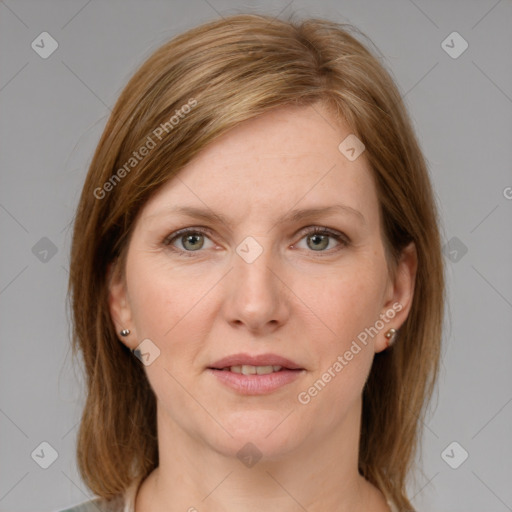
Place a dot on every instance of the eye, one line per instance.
(318, 239)
(192, 240)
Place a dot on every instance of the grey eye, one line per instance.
(192, 242)
(318, 241)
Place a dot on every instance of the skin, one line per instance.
(304, 297)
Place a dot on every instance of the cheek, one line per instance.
(164, 305)
(345, 302)
(170, 307)
(159, 298)
(344, 356)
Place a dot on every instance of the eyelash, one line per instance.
(315, 230)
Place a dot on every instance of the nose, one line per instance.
(256, 293)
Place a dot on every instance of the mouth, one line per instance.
(255, 375)
(260, 364)
(248, 369)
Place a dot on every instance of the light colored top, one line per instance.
(392, 506)
(126, 502)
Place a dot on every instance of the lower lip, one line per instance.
(256, 384)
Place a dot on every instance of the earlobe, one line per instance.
(118, 303)
(399, 301)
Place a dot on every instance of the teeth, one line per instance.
(247, 369)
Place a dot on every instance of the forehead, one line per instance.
(286, 158)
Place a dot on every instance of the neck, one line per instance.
(320, 474)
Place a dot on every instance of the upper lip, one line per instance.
(255, 360)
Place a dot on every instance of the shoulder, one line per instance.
(392, 506)
(123, 502)
(86, 506)
(98, 505)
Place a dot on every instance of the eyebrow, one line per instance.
(291, 216)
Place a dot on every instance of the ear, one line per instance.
(119, 306)
(399, 295)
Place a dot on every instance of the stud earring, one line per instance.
(390, 335)
(125, 332)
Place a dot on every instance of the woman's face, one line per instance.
(260, 283)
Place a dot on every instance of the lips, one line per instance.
(255, 360)
(255, 374)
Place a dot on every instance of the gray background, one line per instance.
(53, 112)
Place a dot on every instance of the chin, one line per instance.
(271, 441)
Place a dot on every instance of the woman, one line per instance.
(256, 279)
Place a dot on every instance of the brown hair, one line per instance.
(232, 70)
